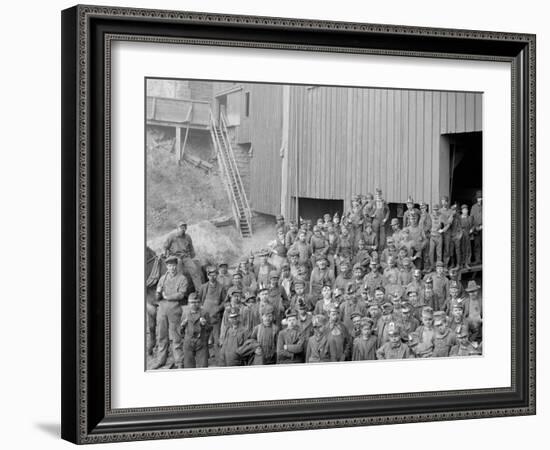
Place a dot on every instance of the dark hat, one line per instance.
(182, 223)
(428, 280)
(327, 283)
(407, 260)
(279, 217)
(334, 308)
(211, 269)
(439, 264)
(394, 331)
(406, 307)
(223, 263)
(237, 274)
(299, 283)
(395, 221)
(234, 312)
(285, 265)
(472, 286)
(357, 266)
(290, 313)
(427, 311)
(435, 207)
(193, 296)
(464, 206)
(478, 194)
(439, 315)
(445, 197)
(453, 284)
(262, 287)
(234, 290)
(301, 305)
(322, 258)
(423, 204)
(267, 309)
(387, 308)
(410, 199)
(249, 296)
(412, 289)
(273, 274)
(171, 260)
(355, 314)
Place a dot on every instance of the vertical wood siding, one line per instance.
(353, 140)
(264, 132)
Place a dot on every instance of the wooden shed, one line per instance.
(312, 147)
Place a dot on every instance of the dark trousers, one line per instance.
(195, 352)
(477, 247)
(151, 328)
(168, 329)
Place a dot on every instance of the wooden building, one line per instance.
(308, 149)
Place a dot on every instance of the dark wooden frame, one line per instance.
(87, 31)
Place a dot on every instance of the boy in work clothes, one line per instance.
(195, 329)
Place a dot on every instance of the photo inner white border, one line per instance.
(133, 387)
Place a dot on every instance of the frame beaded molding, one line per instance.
(87, 12)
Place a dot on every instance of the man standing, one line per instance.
(212, 297)
(411, 210)
(381, 216)
(320, 276)
(318, 349)
(171, 291)
(477, 214)
(436, 237)
(444, 338)
(180, 244)
(466, 223)
(291, 341)
(265, 336)
(195, 329)
(234, 340)
(364, 346)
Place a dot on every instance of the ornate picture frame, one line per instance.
(87, 35)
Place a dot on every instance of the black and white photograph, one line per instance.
(299, 224)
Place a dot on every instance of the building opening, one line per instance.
(465, 166)
(315, 208)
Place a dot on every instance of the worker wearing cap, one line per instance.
(351, 305)
(292, 234)
(444, 338)
(265, 336)
(477, 215)
(285, 279)
(322, 306)
(455, 236)
(291, 342)
(425, 334)
(234, 340)
(390, 250)
(339, 339)
(455, 298)
(418, 240)
(371, 238)
(212, 296)
(264, 268)
(407, 321)
(440, 282)
(446, 216)
(409, 212)
(256, 310)
(320, 276)
(318, 349)
(396, 233)
(345, 276)
(153, 262)
(305, 321)
(405, 272)
(358, 274)
(425, 222)
(278, 250)
(362, 255)
(248, 276)
(464, 346)
(374, 278)
(383, 325)
(236, 302)
(224, 277)
(277, 296)
(319, 245)
(439, 226)
(394, 348)
(280, 224)
(179, 244)
(417, 284)
(302, 247)
(364, 345)
(380, 217)
(344, 250)
(429, 296)
(466, 224)
(475, 311)
(170, 293)
(195, 329)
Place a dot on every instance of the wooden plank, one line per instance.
(478, 122)
(418, 184)
(470, 112)
(451, 112)
(427, 147)
(178, 144)
(443, 126)
(184, 142)
(460, 112)
(436, 137)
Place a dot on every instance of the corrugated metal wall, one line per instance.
(264, 131)
(352, 140)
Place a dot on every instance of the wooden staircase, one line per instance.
(231, 176)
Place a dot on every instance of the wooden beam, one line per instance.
(184, 141)
(178, 144)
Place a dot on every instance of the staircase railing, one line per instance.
(226, 176)
(241, 189)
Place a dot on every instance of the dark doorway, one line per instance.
(466, 166)
(314, 208)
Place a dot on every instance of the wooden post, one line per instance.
(184, 141)
(178, 144)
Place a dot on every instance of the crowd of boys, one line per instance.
(345, 289)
